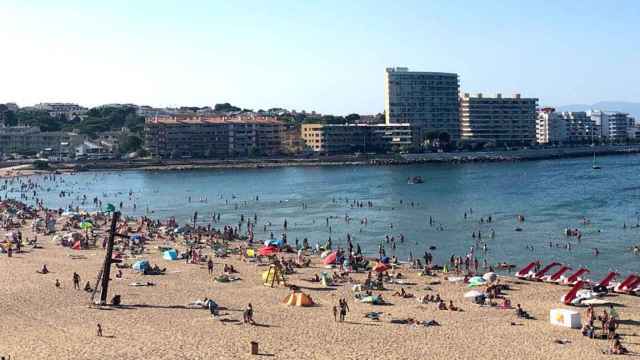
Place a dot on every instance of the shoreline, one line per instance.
(24, 168)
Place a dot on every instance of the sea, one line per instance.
(551, 195)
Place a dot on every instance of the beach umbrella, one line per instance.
(267, 251)
(110, 208)
(490, 277)
(298, 299)
(330, 259)
(85, 225)
(473, 294)
(380, 267)
(141, 265)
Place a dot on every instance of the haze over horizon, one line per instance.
(326, 56)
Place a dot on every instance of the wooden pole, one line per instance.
(106, 271)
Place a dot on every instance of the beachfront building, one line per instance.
(551, 127)
(614, 126)
(292, 142)
(580, 127)
(425, 99)
(349, 138)
(29, 140)
(186, 136)
(498, 120)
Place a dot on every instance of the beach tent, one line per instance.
(170, 254)
(267, 251)
(473, 294)
(381, 267)
(325, 253)
(141, 265)
(477, 281)
(274, 242)
(330, 259)
(373, 299)
(77, 245)
(298, 299)
(490, 277)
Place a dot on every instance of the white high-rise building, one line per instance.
(425, 99)
(551, 127)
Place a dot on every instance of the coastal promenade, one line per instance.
(339, 160)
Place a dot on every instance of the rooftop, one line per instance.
(220, 119)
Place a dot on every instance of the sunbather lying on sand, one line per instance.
(402, 294)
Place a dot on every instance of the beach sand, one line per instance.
(40, 321)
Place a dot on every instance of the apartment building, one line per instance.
(614, 126)
(68, 110)
(499, 120)
(213, 136)
(551, 127)
(426, 99)
(29, 140)
(580, 127)
(349, 138)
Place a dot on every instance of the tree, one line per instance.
(7, 116)
(352, 118)
(134, 123)
(130, 144)
(444, 137)
(431, 135)
(225, 107)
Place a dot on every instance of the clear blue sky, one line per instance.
(327, 56)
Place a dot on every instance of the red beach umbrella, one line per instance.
(380, 267)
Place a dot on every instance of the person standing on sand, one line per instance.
(99, 331)
(335, 313)
(247, 316)
(210, 266)
(76, 281)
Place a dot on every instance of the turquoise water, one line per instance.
(552, 195)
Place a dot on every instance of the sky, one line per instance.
(327, 56)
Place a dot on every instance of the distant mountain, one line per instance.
(632, 108)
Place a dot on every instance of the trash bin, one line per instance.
(254, 348)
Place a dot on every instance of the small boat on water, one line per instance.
(415, 180)
(595, 166)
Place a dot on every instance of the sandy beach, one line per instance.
(40, 320)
